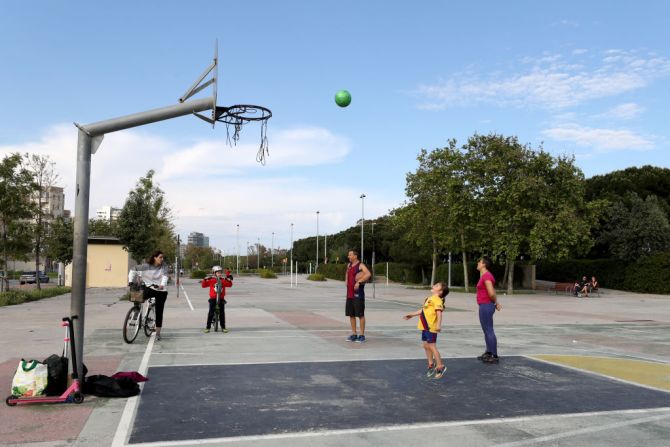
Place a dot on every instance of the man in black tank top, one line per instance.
(356, 276)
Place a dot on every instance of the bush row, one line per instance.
(648, 275)
(15, 296)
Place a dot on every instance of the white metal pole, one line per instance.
(316, 264)
(325, 248)
(258, 254)
(387, 274)
(362, 222)
(238, 249)
(449, 285)
(292, 255)
(272, 251)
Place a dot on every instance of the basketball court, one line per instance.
(284, 374)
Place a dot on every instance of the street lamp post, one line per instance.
(292, 255)
(238, 249)
(373, 260)
(362, 222)
(258, 254)
(247, 255)
(316, 264)
(272, 251)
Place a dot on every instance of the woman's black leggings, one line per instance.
(161, 297)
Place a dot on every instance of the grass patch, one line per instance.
(12, 297)
(317, 277)
(267, 274)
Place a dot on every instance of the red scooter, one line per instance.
(73, 393)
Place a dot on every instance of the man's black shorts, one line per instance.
(355, 307)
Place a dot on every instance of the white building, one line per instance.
(107, 213)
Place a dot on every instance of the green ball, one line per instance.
(343, 98)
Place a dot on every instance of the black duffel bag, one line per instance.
(105, 386)
(57, 379)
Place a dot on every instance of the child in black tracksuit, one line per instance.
(217, 287)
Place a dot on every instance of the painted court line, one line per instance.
(417, 427)
(585, 431)
(186, 296)
(628, 382)
(129, 411)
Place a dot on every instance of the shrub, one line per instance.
(332, 271)
(316, 277)
(267, 274)
(198, 274)
(23, 296)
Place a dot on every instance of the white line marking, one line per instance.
(584, 431)
(594, 373)
(281, 362)
(186, 295)
(405, 427)
(130, 409)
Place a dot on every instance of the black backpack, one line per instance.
(57, 375)
(105, 386)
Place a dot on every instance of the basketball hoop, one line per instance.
(241, 114)
(236, 116)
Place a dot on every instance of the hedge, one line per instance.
(648, 275)
(15, 296)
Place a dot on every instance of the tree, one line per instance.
(103, 227)
(199, 257)
(145, 222)
(59, 240)
(16, 186)
(44, 177)
(636, 228)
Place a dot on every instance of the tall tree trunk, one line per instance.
(433, 275)
(506, 274)
(510, 281)
(465, 262)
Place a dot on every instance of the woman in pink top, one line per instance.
(488, 304)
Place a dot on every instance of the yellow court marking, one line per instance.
(647, 373)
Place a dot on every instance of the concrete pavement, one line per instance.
(272, 323)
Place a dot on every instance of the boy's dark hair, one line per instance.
(487, 262)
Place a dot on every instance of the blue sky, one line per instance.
(583, 78)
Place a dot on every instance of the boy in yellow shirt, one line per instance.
(430, 323)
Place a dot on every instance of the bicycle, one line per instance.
(217, 313)
(141, 316)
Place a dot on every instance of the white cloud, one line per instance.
(550, 82)
(260, 199)
(623, 111)
(603, 140)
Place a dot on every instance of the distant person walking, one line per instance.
(356, 276)
(154, 275)
(488, 304)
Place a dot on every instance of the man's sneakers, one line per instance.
(492, 360)
(440, 372)
(430, 372)
(360, 339)
(206, 330)
(352, 337)
(224, 330)
(484, 356)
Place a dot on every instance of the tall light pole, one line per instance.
(272, 251)
(292, 256)
(316, 264)
(373, 260)
(362, 222)
(258, 254)
(247, 255)
(325, 248)
(238, 249)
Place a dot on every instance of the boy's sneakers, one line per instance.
(352, 337)
(206, 331)
(431, 371)
(360, 339)
(224, 330)
(440, 372)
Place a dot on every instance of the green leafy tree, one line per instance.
(16, 187)
(637, 228)
(44, 177)
(59, 240)
(103, 227)
(199, 257)
(145, 222)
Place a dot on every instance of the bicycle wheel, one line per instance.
(131, 325)
(150, 321)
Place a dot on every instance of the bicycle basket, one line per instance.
(136, 294)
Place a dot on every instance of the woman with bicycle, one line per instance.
(217, 291)
(154, 275)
